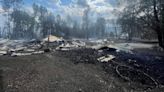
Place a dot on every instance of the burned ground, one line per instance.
(50, 73)
(76, 71)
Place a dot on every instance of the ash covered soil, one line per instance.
(51, 72)
(69, 71)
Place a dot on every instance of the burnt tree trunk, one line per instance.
(160, 38)
(162, 25)
(157, 25)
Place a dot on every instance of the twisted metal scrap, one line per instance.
(128, 79)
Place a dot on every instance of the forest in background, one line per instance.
(144, 18)
(141, 19)
(20, 24)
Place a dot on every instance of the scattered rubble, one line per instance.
(127, 64)
(66, 47)
(106, 48)
(37, 52)
(70, 45)
(3, 53)
(140, 73)
(106, 58)
(78, 43)
(52, 38)
(30, 50)
(112, 48)
(34, 46)
(20, 54)
(19, 48)
(47, 50)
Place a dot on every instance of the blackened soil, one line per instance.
(65, 71)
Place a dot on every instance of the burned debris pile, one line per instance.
(144, 70)
(20, 48)
(32, 47)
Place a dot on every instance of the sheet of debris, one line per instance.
(112, 48)
(52, 38)
(70, 45)
(106, 58)
(20, 47)
(34, 46)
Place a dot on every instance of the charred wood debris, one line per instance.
(145, 70)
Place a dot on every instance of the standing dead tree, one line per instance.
(145, 15)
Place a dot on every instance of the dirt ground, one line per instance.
(58, 72)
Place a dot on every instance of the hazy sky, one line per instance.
(75, 8)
